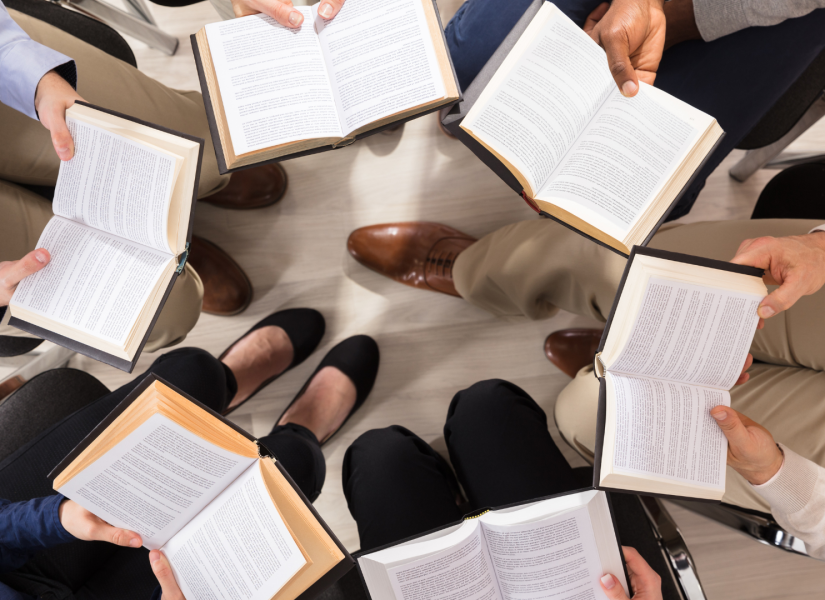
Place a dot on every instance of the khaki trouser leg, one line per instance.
(533, 268)
(27, 156)
(25, 215)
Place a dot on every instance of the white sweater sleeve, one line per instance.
(797, 498)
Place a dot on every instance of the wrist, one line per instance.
(764, 475)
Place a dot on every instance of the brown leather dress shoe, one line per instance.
(226, 288)
(252, 188)
(572, 349)
(418, 254)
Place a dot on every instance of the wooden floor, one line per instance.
(431, 345)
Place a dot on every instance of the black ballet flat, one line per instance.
(303, 326)
(357, 358)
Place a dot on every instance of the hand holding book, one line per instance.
(12, 272)
(752, 451)
(283, 11)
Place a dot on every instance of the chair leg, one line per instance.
(674, 547)
(762, 529)
(758, 158)
(126, 23)
(140, 10)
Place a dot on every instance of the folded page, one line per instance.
(96, 282)
(554, 558)
(237, 548)
(117, 185)
(273, 82)
(155, 480)
(664, 429)
(691, 333)
(380, 58)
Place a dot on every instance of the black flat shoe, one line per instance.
(303, 326)
(357, 358)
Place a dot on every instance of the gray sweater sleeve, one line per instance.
(718, 18)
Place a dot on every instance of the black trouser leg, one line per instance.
(501, 449)
(397, 486)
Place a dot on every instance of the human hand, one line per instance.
(12, 272)
(752, 451)
(283, 11)
(795, 263)
(85, 526)
(163, 571)
(681, 23)
(644, 581)
(744, 375)
(632, 33)
(51, 99)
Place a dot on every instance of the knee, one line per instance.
(196, 372)
(377, 454)
(575, 412)
(491, 399)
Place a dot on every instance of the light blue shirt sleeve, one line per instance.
(23, 62)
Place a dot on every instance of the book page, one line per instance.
(117, 185)
(624, 157)
(664, 429)
(95, 282)
(272, 81)
(537, 105)
(461, 572)
(155, 480)
(554, 558)
(380, 59)
(237, 548)
(690, 333)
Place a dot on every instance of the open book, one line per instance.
(119, 237)
(229, 519)
(674, 345)
(553, 548)
(608, 166)
(273, 93)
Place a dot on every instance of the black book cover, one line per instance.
(452, 121)
(216, 138)
(481, 511)
(601, 415)
(95, 353)
(316, 588)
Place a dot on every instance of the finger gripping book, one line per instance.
(225, 513)
(673, 347)
(609, 167)
(119, 238)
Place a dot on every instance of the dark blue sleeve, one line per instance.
(28, 527)
(156, 595)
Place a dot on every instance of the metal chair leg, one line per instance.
(763, 529)
(126, 23)
(674, 548)
(139, 9)
(758, 158)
